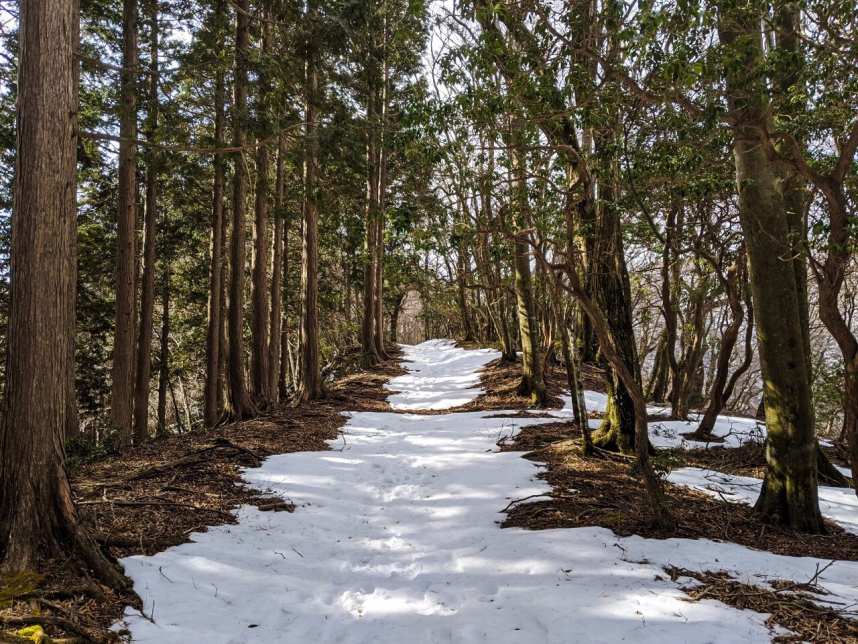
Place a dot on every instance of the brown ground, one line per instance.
(146, 499)
(500, 378)
(610, 495)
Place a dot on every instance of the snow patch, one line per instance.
(395, 538)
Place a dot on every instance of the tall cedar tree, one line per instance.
(37, 516)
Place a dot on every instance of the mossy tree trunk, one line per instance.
(532, 384)
(789, 491)
(612, 294)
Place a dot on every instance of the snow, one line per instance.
(665, 434)
(440, 376)
(836, 503)
(395, 538)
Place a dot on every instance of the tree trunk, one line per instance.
(276, 322)
(259, 294)
(733, 284)
(214, 323)
(612, 294)
(399, 298)
(381, 153)
(573, 376)
(164, 354)
(532, 384)
(38, 519)
(370, 354)
(657, 386)
(789, 491)
(310, 385)
(240, 403)
(286, 371)
(461, 291)
(122, 388)
(147, 296)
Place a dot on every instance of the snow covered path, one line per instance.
(395, 540)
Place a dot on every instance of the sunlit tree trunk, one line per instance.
(532, 384)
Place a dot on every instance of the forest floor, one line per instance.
(376, 518)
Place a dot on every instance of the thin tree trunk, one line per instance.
(275, 340)
(573, 374)
(657, 386)
(310, 385)
(286, 371)
(122, 376)
(164, 353)
(370, 354)
(733, 283)
(240, 403)
(532, 384)
(213, 389)
(382, 200)
(38, 519)
(147, 296)
(259, 294)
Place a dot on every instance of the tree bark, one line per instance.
(612, 294)
(733, 284)
(241, 406)
(276, 322)
(122, 387)
(38, 519)
(150, 218)
(370, 354)
(214, 322)
(573, 374)
(164, 354)
(310, 385)
(382, 153)
(532, 384)
(789, 490)
(259, 294)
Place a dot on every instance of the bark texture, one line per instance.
(122, 387)
(789, 491)
(214, 322)
(37, 515)
(240, 404)
(147, 291)
(310, 385)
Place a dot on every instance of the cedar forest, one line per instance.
(226, 214)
